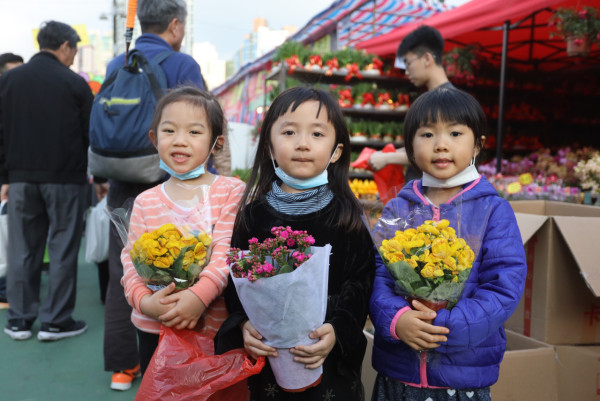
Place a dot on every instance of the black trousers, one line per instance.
(120, 340)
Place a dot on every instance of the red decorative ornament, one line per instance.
(353, 71)
(292, 63)
(331, 66)
(368, 98)
(315, 60)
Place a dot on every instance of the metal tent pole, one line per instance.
(505, 30)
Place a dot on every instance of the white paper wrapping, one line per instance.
(285, 308)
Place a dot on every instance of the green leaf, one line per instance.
(402, 271)
(177, 267)
(285, 269)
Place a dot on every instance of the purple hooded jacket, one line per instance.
(471, 357)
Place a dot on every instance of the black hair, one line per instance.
(443, 104)
(53, 34)
(197, 98)
(6, 58)
(263, 173)
(424, 39)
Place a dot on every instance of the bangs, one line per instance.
(448, 109)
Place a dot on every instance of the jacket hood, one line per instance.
(414, 191)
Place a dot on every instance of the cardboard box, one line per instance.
(560, 304)
(578, 372)
(527, 372)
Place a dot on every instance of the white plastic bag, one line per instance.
(3, 239)
(285, 308)
(96, 233)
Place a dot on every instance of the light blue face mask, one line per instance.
(298, 183)
(190, 175)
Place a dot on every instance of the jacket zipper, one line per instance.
(423, 368)
(423, 354)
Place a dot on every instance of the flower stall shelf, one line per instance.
(580, 28)
(461, 63)
(588, 171)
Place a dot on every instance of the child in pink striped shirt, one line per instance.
(187, 128)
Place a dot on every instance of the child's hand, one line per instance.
(314, 355)
(253, 342)
(415, 329)
(187, 309)
(151, 306)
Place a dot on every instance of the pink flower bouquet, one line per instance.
(282, 284)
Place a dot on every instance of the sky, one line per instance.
(221, 22)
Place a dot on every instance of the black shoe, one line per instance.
(18, 329)
(52, 332)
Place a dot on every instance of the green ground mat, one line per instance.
(65, 370)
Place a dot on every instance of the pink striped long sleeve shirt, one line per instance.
(152, 209)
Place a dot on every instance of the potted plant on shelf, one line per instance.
(579, 28)
(461, 62)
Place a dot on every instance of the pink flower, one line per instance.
(253, 240)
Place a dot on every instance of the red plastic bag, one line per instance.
(389, 179)
(184, 367)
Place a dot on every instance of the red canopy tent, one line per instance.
(513, 32)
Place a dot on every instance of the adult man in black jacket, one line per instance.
(44, 119)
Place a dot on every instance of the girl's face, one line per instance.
(303, 142)
(444, 149)
(184, 137)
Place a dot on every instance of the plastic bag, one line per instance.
(428, 262)
(184, 367)
(96, 233)
(162, 252)
(284, 309)
(3, 239)
(389, 179)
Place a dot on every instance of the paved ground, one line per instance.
(65, 370)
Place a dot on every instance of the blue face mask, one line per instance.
(190, 175)
(298, 183)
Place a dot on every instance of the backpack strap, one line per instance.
(145, 65)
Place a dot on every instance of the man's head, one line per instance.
(59, 39)
(420, 55)
(165, 18)
(8, 61)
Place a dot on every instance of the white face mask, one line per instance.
(298, 183)
(467, 175)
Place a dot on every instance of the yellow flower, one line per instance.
(417, 243)
(412, 262)
(431, 270)
(199, 251)
(392, 250)
(465, 259)
(205, 239)
(440, 248)
(164, 262)
(428, 228)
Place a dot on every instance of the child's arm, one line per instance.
(395, 321)
(499, 285)
(191, 303)
(253, 343)
(415, 329)
(314, 355)
(135, 288)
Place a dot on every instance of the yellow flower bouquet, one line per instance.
(429, 263)
(166, 255)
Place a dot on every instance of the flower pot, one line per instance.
(578, 47)
(433, 305)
